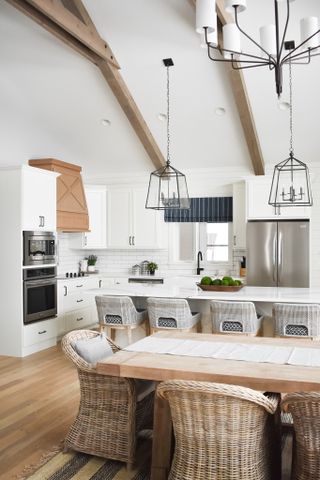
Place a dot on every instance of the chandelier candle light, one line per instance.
(167, 186)
(290, 183)
(274, 50)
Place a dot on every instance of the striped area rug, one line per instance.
(80, 466)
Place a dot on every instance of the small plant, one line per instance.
(92, 260)
(152, 267)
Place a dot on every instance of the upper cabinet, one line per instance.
(38, 199)
(258, 190)
(129, 224)
(97, 209)
(239, 215)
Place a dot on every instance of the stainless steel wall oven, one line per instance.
(39, 248)
(39, 294)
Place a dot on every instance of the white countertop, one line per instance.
(254, 294)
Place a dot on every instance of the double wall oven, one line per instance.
(39, 277)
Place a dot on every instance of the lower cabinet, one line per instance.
(39, 335)
(81, 318)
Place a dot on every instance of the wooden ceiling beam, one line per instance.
(242, 101)
(67, 26)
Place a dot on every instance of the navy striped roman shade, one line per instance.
(206, 209)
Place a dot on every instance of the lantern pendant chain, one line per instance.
(290, 102)
(168, 117)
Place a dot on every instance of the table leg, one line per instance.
(162, 438)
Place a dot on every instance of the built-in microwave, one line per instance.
(39, 248)
(39, 294)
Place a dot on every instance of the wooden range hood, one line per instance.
(72, 211)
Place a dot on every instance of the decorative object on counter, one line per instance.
(225, 284)
(136, 269)
(167, 186)
(273, 44)
(84, 265)
(92, 260)
(290, 182)
(144, 267)
(243, 269)
(152, 267)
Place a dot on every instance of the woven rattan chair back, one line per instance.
(296, 320)
(305, 411)
(222, 432)
(116, 310)
(170, 313)
(109, 415)
(234, 317)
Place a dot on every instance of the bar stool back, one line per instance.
(235, 317)
(119, 313)
(171, 313)
(296, 320)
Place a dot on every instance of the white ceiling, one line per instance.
(52, 100)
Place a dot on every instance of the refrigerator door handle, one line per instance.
(274, 259)
(280, 256)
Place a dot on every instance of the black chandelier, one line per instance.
(167, 186)
(290, 182)
(275, 50)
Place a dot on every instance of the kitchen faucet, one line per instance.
(199, 257)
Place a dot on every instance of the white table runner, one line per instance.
(309, 357)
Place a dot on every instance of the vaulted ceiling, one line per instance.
(52, 100)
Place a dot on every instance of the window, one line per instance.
(214, 242)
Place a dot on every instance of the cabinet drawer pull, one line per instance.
(133, 240)
(43, 220)
(234, 240)
(65, 291)
(78, 301)
(100, 283)
(130, 240)
(43, 331)
(79, 286)
(79, 319)
(40, 221)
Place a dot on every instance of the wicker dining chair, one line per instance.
(305, 411)
(112, 410)
(296, 320)
(171, 313)
(223, 432)
(235, 318)
(119, 313)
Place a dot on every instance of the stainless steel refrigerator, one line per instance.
(278, 253)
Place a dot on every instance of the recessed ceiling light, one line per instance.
(220, 111)
(162, 117)
(105, 122)
(284, 105)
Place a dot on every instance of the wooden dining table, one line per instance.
(161, 367)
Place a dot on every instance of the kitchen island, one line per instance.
(263, 298)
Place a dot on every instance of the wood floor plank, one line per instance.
(39, 398)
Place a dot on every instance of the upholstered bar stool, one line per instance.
(171, 313)
(296, 320)
(119, 313)
(235, 317)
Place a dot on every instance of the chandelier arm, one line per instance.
(249, 66)
(300, 45)
(248, 36)
(302, 54)
(220, 49)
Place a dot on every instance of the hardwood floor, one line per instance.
(39, 397)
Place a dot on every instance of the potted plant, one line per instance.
(92, 260)
(152, 267)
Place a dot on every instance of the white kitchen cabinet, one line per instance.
(258, 190)
(96, 196)
(39, 207)
(239, 215)
(78, 319)
(129, 224)
(39, 332)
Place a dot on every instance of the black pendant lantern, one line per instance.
(290, 182)
(167, 186)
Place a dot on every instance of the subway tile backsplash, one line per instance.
(121, 261)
